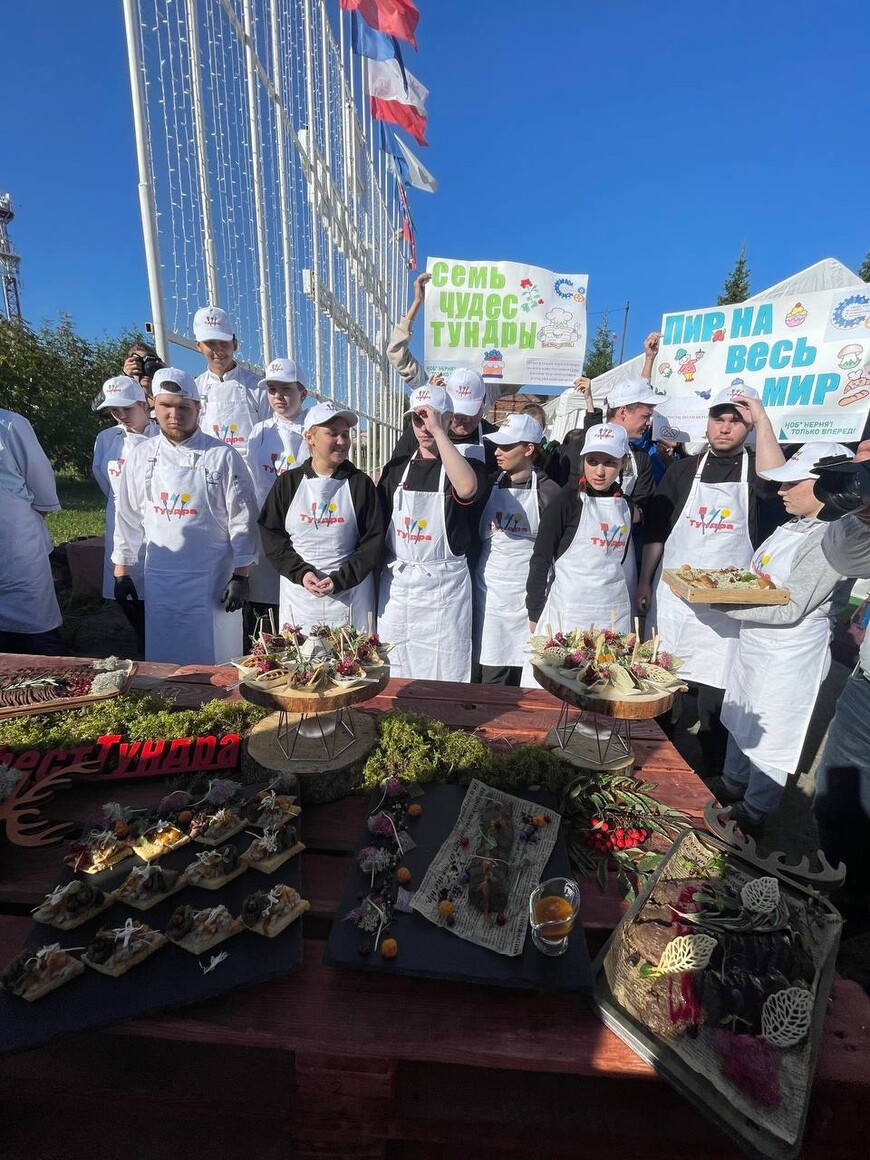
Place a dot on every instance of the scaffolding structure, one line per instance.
(262, 191)
(10, 263)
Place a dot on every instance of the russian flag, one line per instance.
(393, 17)
(397, 96)
(374, 45)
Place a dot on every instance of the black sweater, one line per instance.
(765, 508)
(462, 517)
(646, 483)
(278, 545)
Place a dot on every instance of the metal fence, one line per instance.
(262, 191)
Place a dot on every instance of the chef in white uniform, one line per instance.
(276, 445)
(432, 502)
(508, 528)
(323, 529)
(582, 559)
(232, 399)
(189, 499)
(125, 401)
(29, 612)
(783, 650)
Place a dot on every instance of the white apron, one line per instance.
(775, 672)
(229, 411)
(27, 600)
(507, 528)
(119, 451)
(322, 524)
(474, 450)
(712, 532)
(276, 447)
(188, 561)
(424, 607)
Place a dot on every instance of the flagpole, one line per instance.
(283, 192)
(624, 332)
(257, 179)
(328, 183)
(313, 179)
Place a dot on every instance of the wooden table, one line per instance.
(330, 1063)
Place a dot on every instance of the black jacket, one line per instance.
(278, 545)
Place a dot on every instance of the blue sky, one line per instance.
(641, 143)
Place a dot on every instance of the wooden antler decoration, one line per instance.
(21, 813)
(827, 878)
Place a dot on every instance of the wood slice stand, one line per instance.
(585, 743)
(318, 737)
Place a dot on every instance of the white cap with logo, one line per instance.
(212, 322)
(322, 413)
(175, 382)
(633, 391)
(121, 391)
(467, 390)
(435, 398)
(516, 428)
(282, 370)
(801, 464)
(609, 438)
(726, 397)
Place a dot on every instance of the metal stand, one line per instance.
(328, 728)
(587, 743)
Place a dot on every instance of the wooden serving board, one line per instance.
(304, 701)
(696, 594)
(640, 708)
(64, 703)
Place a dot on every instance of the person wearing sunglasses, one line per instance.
(508, 528)
(431, 501)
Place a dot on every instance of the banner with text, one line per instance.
(809, 360)
(516, 324)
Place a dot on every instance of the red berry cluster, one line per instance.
(603, 837)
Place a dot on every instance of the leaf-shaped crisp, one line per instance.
(786, 1016)
(761, 895)
(687, 952)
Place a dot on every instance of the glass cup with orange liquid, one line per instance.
(553, 908)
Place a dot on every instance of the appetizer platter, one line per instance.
(729, 585)
(325, 664)
(718, 976)
(69, 686)
(440, 888)
(604, 671)
(218, 917)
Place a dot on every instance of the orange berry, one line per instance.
(538, 820)
(445, 909)
(415, 810)
(403, 874)
(121, 829)
(185, 817)
(389, 948)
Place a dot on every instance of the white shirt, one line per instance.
(24, 467)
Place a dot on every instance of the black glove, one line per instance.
(125, 589)
(235, 593)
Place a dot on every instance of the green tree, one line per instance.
(599, 356)
(736, 288)
(864, 272)
(50, 376)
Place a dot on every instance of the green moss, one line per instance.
(136, 717)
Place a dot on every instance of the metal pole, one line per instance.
(283, 192)
(624, 332)
(330, 184)
(257, 177)
(314, 179)
(147, 208)
(211, 268)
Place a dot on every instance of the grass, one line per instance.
(84, 510)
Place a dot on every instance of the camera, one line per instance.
(147, 365)
(843, 486)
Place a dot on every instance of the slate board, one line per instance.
(433, 952)
(171, 977)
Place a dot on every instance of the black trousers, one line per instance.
(47, 644)
(134, 611)
(508, 675)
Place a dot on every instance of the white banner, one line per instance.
(809, 360)
(516, 324)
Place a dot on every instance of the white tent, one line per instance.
(565, 412)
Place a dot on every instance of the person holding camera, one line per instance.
(142, 364)
(189, 501)
(232, 399)
(842, 800)
(124, 399)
